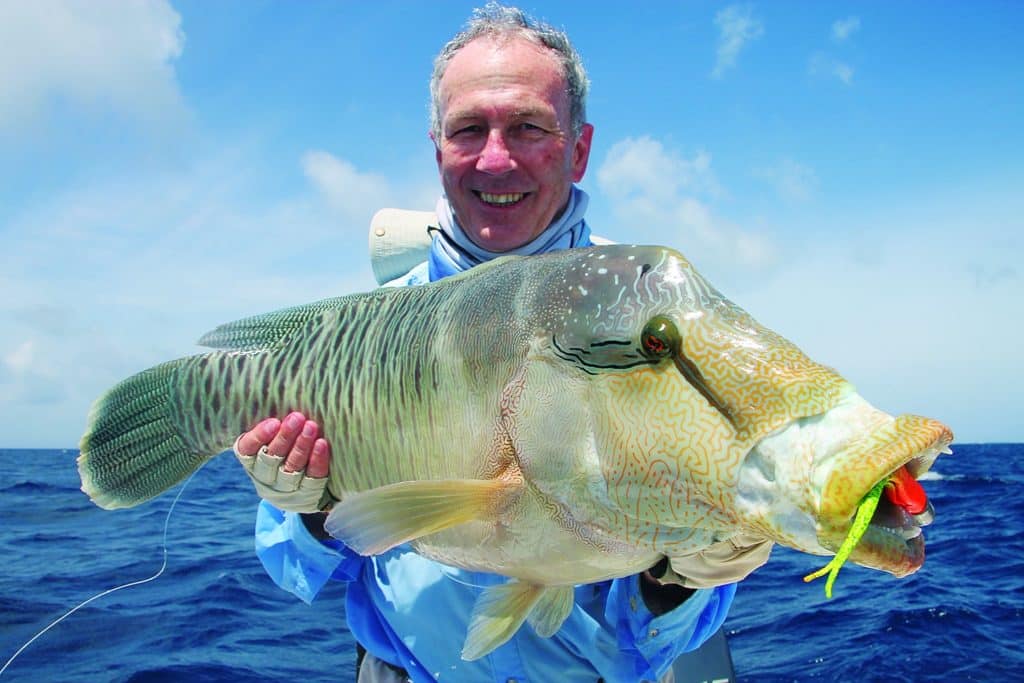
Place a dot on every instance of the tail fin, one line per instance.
(132, 449)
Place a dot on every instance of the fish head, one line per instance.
(805, 481)
(708, 424)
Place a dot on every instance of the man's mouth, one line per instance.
(502, 199)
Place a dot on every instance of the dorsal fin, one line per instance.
(269, 329)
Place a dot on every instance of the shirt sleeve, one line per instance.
(656, 642)
(297, 562)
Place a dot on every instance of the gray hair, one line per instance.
(499, 21)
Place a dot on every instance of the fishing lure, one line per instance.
(865, 511)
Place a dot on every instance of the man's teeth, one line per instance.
(502, 198)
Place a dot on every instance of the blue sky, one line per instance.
(850, 173)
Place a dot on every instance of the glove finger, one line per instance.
(720, 563)
(745, 540)
(247, 460)
(266, 467)
(289, 481)
(750, 553)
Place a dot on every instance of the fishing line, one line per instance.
(451, 577)
(80, 605)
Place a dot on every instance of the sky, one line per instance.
(850, 173)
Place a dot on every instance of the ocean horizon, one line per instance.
(213, 615)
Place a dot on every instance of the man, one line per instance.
(511, 139)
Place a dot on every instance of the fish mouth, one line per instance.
(894, 541)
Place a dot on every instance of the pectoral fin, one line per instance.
(501, 610)
(372, 522)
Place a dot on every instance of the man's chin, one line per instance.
(499, 241)
(499, 238)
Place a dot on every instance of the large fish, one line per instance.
(559, 419)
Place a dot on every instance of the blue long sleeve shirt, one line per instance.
(413, 612)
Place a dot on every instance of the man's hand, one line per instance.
(724, 562)
(287, 462)
(672, 580)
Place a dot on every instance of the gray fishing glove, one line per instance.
(724, 562)
(292, 491)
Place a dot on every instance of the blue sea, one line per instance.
(214, 616)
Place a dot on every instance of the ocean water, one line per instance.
(214, 616)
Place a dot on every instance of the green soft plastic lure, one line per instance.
(865, 511)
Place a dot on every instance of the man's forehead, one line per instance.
(487, 69)
(487, 60)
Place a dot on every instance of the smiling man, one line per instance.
(511, 138)
(508, 148)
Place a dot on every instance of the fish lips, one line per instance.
(893, 542)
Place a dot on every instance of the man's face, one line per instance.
(506, 154)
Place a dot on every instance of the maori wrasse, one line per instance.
(558, 419)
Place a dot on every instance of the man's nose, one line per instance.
(495, 157)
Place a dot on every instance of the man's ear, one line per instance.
(581, 152)
(437, 147)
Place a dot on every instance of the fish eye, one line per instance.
(660, 337)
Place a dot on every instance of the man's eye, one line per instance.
(465, 131)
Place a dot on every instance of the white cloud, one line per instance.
(667, 200)
(822, 64)
(118, 275)
(737, 26)
(28, 374)
(643, 166)
(844, 28)
(103, 55)
(345, 188)
(793, 181)
(843, 72)
(20, 357)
